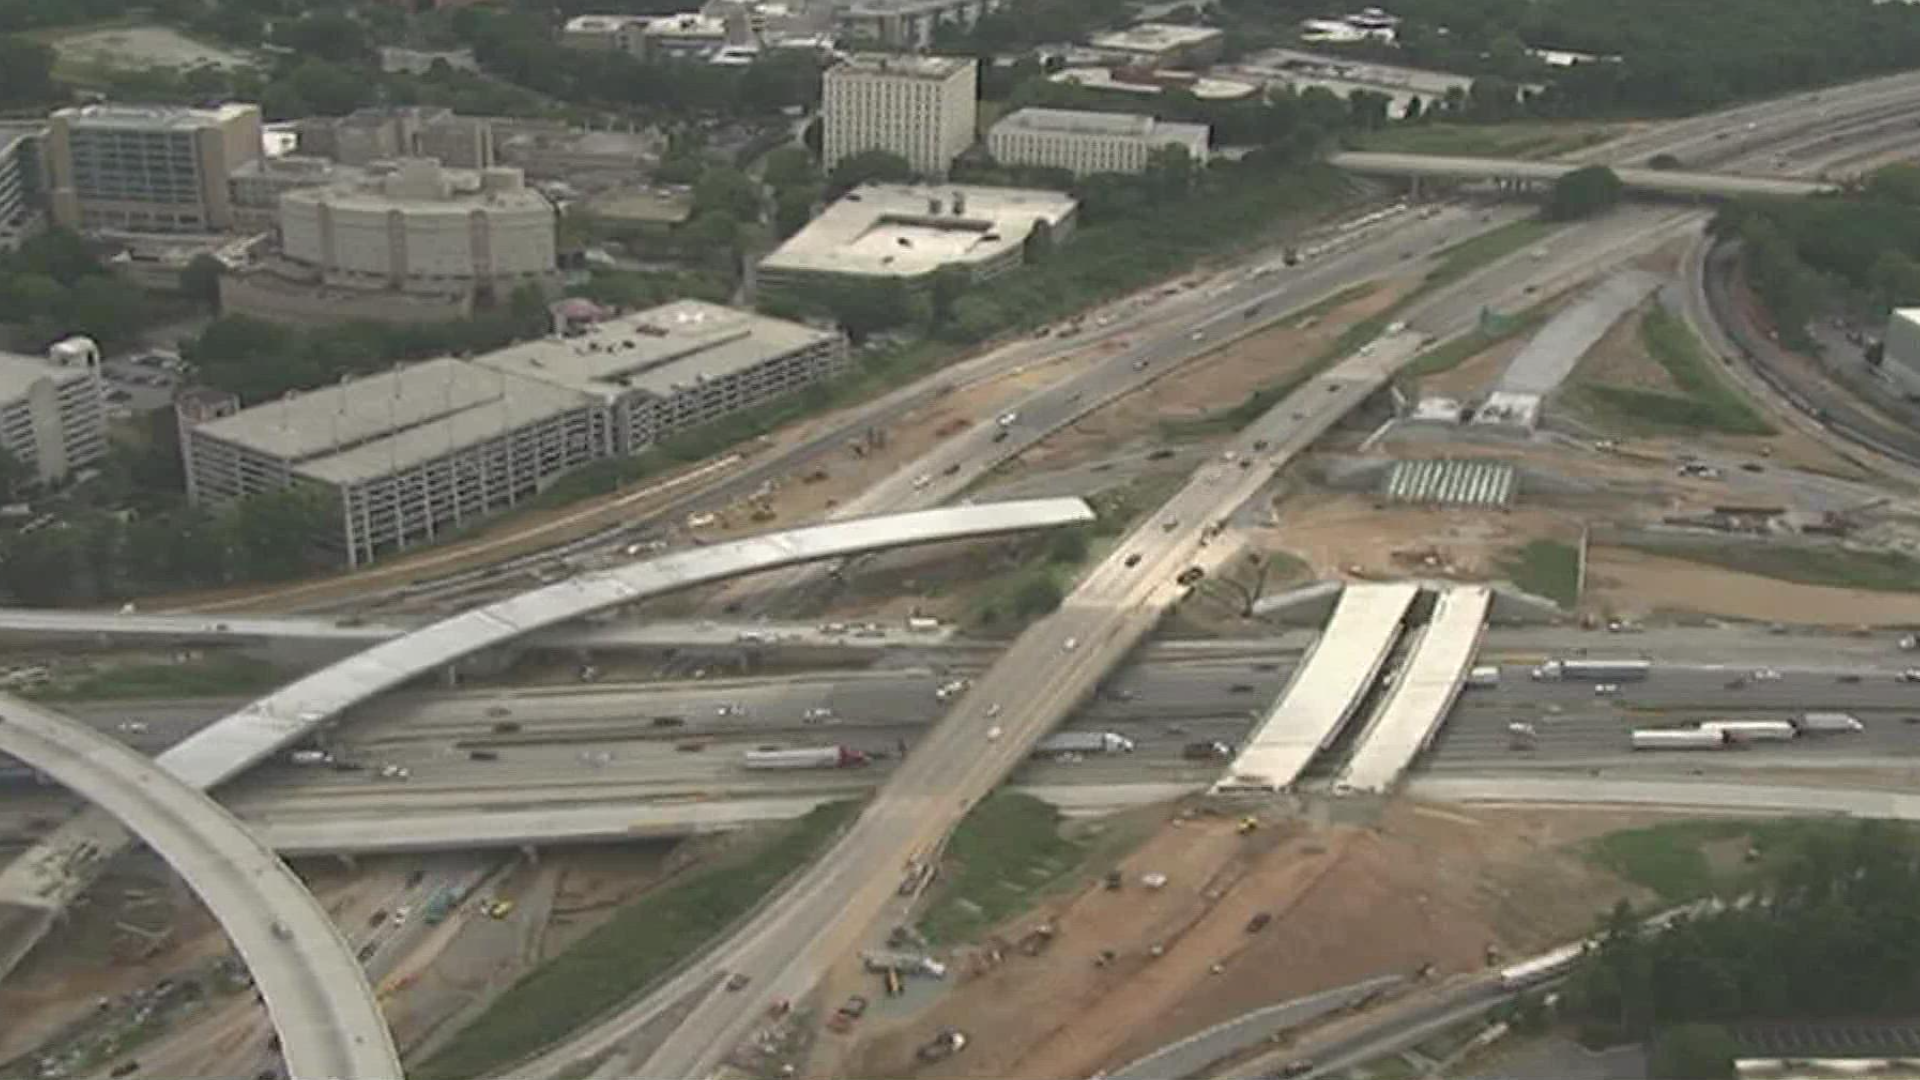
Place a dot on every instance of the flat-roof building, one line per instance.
(922, 108)
(53, 414)
(605, 33)
(904, 24)
(385, 133)
(255, 187)
(907, 231)
(688, 37)
(432, 447)
(670, 368)
(148, 168)
(1090, 142)
(1900, 361)
(1153, 45)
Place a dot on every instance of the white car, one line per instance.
(1007, 419)
(921, 481)
(1073, 643)
(993, 710)
(1198, 335)
(1766, 675)
(993, 734)
(1912, 675)
(817, 715)
(1606, 688)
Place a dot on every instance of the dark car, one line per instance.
(669, 721)
(738, 981)
(483, 755)
(1133, 560)
(506, 727)
(1240, 688)
(1296, 1068)
(125, 1068)
(1190, 575)
(1161, 454)
(1258, 923)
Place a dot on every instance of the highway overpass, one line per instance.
(1674, 183)
(315, 990)
(1421, 697)
(43, 879)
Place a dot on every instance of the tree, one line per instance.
(325, 35)
(200, 281)
(1583, 193)
(274, 532)
(1693, 1052)
(26, 72)
(868, 167)
(1411, 114)
(12, 474)
(1368, 109)
(864, 307)
(792, 209)
(944, 288)
(789, 167)
(1038, 595)
(726, 191)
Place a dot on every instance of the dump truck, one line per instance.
(903, 962)
(1484, 678)
(1593, 670)
(1085, 742)
(1678, 739)
(806, 757)
(1749, 731)
(1828, 723)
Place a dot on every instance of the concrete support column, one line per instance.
(530, 853)
(348, 862)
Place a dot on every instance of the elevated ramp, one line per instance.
(1323, 692)
(1431, 680)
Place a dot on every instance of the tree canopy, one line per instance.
(1583, 193)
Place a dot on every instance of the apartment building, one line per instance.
(148, 168)
(53, 414)
(1090, 142)
(922, 108)
(19, 181)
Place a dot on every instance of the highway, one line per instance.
(324, 1011)
(40, 881)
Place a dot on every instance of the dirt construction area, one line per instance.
(1344, 902)
(1638, 584)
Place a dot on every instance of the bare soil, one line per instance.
(1620, 358)
(1352, 536)
(1476, 375)
(1636, 584)
(1419, 885)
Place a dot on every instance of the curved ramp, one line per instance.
(316, 992)
(45, 877)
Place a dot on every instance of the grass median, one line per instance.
(213, 676)
(1511, 140)
(1549, 568)
(1008, 851)
(642, 943)
(1703, 399)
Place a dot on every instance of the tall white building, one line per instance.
(1901, 360)
(922, 108)
(53, 415)
(1090, 142)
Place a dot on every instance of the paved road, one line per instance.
(1659, 181)
(1728, 797)
(1194, 1053)
(322, 1007)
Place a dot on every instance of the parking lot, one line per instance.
(141, 382)
(1866, 1038)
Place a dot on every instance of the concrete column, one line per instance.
(530, 853)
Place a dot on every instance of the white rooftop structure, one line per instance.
(1090, 122)
(907, 230)
(1155, 38)
(369, 426)
(1204, 88)
(1324, 690)
(1428, 684)
(658, 351)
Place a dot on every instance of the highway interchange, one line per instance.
(1068, 654)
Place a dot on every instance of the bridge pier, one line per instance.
(531, 853)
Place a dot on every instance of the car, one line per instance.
(1132, 561)
(1240, 688)
(1070, 644)
(1910, 719)
(1169, 525)
(1007, 419)
(1190, 575)
(691, 746)
(1911, 675)
(994, 733)
(726, 709)
(499, 710)
(1606, 688)
(366, 951)
(1766, 675)
(483, 755)
(993, 710)
(816, 715)
(1197, 335)
(738, 981)
(1847, 678)
(377, 918)
(951, 469)
(855, 1008)
(400, 915)
(499, 909)
(1000, 436)
(1258, 923)
(1736, 683)
(506, 727)
(1294, 1069)
(1139, 365)
(669, 721)
(921, 481)
(125, 1068)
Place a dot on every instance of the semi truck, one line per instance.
(1085, 742)
(1484, 678)
(1679, 739)
(1828, 723)
(1593, 670)
(1751, 731)
(806, 757)
(1541, 968)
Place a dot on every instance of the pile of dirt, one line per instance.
(1420, 885)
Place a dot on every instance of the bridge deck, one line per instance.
(1323, 692)
(1427, 688)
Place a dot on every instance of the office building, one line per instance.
(148, 168)
(907, 231)
(904, 24)
(1900, 362)
(661, 371)
(691, 36)
(254, 189)
(385, 133)
(53, 413)
(431, 448)
(1090, 142)
(1158, 45)
(922, 108)
(605, 33)
(19, 181)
